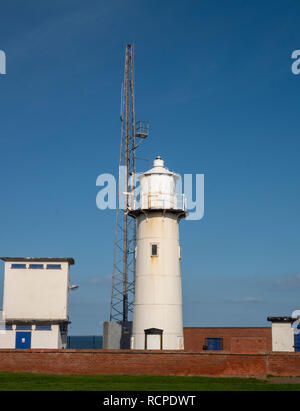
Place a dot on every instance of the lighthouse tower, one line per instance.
(157, 320)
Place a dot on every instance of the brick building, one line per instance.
(229, 339)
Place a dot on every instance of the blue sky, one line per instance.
(214, 79)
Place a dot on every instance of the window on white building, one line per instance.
(36, 266)
(43, 327)
(53, 266)
(18, 266)
(23, 327)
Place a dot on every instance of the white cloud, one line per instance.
(247, 300)
(100, 280)
(288, 281)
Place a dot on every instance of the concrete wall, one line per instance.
(235, 339)
(282, 337)
(38, 294)
(150, 362)
(114, 337)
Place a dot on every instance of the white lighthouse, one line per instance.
(157, 320)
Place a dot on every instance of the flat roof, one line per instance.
(286, 319)
(20, 321)
(70, 260)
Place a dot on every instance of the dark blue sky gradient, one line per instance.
(214, 79)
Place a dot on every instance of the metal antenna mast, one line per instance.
(122, 296)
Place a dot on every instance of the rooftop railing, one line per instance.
(157, 201)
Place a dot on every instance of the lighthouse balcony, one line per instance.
(158, 201)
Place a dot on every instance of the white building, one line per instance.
(284, 337)
(35, 302)
(157, 320)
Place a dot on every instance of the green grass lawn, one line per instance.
(44, 382)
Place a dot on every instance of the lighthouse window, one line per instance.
(154, 250)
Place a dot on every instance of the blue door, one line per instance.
(297, 342)
(214, 343)
(23, 339)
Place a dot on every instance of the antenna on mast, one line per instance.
(132, 134)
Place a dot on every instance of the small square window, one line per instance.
(154, 250)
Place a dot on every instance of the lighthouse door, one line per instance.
(153, 339)
(153, 342)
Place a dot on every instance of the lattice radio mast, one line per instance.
(132, 133)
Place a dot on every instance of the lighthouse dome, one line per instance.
(159, 188)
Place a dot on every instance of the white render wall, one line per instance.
(158, 299)
(282, 337)
(39, 294)
(8, 339)
(39, 338)
(46, 339)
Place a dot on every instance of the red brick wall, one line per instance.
(149, 362)
(282, 364)
(235, 340)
